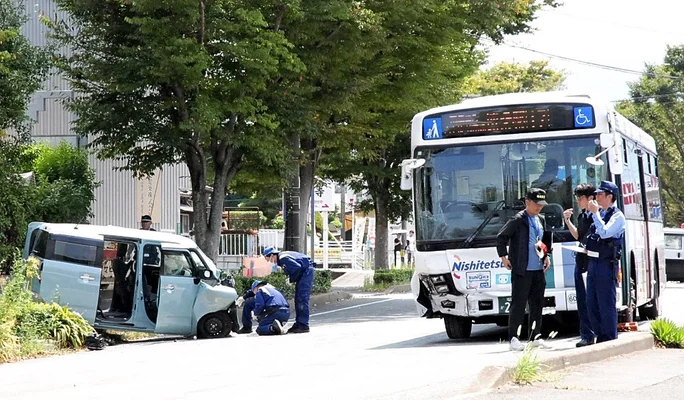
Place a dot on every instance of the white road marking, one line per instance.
(351, 307)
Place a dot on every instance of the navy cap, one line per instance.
(270, 250)
(608, 187)
(537, 195)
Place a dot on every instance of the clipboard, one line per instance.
(576, 249)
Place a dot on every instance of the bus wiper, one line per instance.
(497, 207)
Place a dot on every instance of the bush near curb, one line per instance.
(322, 283)
(391, 277)
(28, 328)
(667, 333)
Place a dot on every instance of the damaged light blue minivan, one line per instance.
(129, 279)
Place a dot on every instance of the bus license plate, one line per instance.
(505, 305)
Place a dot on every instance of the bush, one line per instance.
(28, 328)
(322, 283)
(667, 333)
(391, 277)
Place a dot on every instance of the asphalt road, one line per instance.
(367, 348)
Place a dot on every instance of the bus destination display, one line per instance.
(509, 119)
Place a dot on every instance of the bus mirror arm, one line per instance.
(596, 160)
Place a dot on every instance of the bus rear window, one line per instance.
(75, 253)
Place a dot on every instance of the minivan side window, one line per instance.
(75, 253)
(38, 245)
(673, 242)
(177, 264)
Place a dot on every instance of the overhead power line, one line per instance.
(587, 63)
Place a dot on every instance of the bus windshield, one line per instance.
(474, 189)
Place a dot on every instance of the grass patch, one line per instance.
(528, 369)
(31, 329)
(667, 333)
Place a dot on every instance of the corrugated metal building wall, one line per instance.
(117, 199)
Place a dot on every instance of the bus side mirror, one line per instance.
(407, 167)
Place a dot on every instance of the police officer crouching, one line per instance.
(604, 247)
(269, 306)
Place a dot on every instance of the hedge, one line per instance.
(393, 276)
(322, 283)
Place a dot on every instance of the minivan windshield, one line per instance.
(474, 189)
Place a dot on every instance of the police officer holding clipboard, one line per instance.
(584, 193)
(604, 247)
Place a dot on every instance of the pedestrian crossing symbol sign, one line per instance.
(432, 128)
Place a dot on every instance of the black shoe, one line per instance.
(584, 342)
(244, 331)
(276, 328)
(298, 329)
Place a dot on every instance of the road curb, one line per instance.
(398, 289)
(493, 377)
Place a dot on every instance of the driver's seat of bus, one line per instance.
(553, 214)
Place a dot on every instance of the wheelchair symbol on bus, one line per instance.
(583, 117)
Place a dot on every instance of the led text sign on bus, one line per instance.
(508, 119)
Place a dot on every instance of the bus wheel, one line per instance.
(457, 327)
(650, 310)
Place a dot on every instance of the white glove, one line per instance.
(240, 301)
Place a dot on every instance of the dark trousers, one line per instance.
(528, 288)
(601, 299)
(302, 296)
(586, 331)
(266, 320)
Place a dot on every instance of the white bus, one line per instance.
(471, 166)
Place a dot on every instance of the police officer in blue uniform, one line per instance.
(270, 309)
(584, 192)
(604, 247)
(300, 271)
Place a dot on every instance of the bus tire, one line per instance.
(458, 327)
(650, 310)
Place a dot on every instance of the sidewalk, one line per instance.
(352, 279)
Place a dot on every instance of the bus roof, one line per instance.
(602, 107)
(100, 231)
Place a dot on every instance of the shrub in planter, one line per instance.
(392, 276)
(322, 283)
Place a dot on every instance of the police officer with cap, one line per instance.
(604, 247)
(300, 271)
(146, 223)
(269, 306)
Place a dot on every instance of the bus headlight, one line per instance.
(436, 279)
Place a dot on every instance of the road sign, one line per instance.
(324, 201)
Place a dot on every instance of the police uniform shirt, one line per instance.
(615, 226)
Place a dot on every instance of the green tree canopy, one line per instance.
(506, 77)
(657, 106)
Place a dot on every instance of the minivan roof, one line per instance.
(100, 231)
(673, 231)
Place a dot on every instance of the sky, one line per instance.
(616, 33)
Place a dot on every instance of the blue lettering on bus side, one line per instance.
(476, 265)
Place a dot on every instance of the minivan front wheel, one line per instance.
(214, 325)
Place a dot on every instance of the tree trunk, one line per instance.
(306, 178)
(381, 231)
(208, 210)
